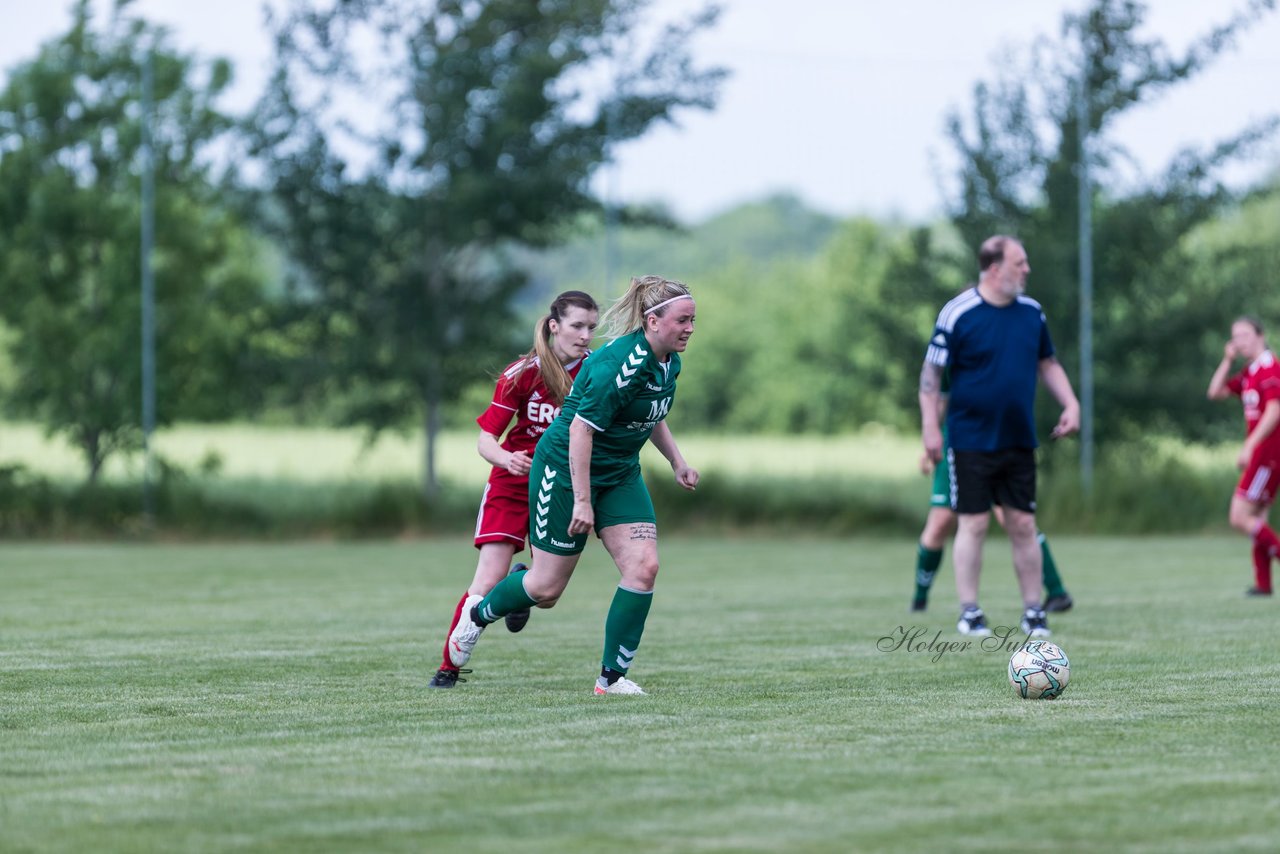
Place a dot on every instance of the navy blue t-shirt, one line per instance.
(993, 355)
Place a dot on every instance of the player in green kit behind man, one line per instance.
(586, 475)
(940, 526)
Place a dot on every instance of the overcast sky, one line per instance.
(840, 102)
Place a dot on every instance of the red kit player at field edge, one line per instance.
(531, 390)
(1258, 387)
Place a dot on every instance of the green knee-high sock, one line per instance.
(508, 596)
(1052, 581)
(927, 563)
(623, 628)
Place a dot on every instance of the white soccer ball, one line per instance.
(1039, 670)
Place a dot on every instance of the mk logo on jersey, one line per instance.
(658, 409)
(628, 368)
(544, 502)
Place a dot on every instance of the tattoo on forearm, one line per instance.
(644, 531)
(929, 379)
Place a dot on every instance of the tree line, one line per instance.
(317, 263)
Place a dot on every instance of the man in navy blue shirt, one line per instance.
(995, 341)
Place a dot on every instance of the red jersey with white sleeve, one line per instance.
(1257, 385)
(522, 395)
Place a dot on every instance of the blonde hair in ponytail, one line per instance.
(626, 315)
(554, 376)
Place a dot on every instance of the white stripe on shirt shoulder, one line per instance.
(1026, 300)
(515, 367)
(952, 311)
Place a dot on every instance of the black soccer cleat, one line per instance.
(1257, 591)
(516, 620)
(919, 605)
(1058, 604)
(446, 677)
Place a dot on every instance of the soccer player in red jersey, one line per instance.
(1258, 387)
(531, 390)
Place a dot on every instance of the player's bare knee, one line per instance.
(1241, 521)
(642, 575)
(1022, 528)
(938, 528)
(975, 524)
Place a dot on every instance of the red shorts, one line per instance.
(504, 512)
(1259, 482)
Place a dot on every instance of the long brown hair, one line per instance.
(626, 315)
(554, 376)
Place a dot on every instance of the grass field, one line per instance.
(271, 698)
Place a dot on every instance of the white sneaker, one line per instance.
(462, 640)
(622, 686)
(1034, 624)
(973, 623)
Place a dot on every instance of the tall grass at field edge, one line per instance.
(1145, 488)
(1132, 494)
(33, 507)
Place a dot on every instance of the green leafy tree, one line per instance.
(809, 324)
(487, 136)
(1234, 259)
(1019, 159)
(70, 136)
(917, 271)
(790, 343)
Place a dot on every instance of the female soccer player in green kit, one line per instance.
(586, 474)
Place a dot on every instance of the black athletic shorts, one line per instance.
(982, 478)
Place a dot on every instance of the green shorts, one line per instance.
(941, 496)
(551, 507)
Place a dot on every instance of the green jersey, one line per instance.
(622, 392)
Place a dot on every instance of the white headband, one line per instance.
(667, 302)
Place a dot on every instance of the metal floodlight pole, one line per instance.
(1086, 283)
(610, 196)
(610, 226)
(148, 288)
